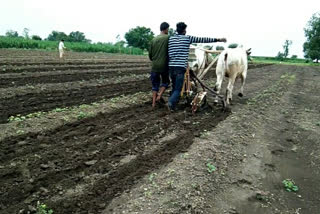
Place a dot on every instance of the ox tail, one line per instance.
(225, 60)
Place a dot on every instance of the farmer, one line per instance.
(178, 51)
(61, 48)
(158, 54)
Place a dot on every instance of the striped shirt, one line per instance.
(178, 48)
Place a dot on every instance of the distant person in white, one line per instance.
(61, 48)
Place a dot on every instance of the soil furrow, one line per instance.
(134, 133)
(43, 68)
(66, 76)
(45, 101)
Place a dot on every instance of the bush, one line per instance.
(36, 37)
(280, 56)
(219, 48)
(233, 45)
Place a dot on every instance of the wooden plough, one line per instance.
(194, 76)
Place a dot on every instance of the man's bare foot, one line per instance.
(160, 100)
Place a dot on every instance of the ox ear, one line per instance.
(248, 51)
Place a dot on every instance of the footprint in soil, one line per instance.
(277, 151)
(270, 167)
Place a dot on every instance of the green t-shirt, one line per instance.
(158, 53)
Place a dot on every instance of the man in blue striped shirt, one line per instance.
(178, 52)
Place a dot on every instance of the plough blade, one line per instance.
(198, 100)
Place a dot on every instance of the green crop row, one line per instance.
(9, 42)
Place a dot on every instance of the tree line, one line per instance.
(74, 36)
(311, 47)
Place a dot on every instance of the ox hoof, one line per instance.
(240, 94)
(215, 88)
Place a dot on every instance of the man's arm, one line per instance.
(150, 52)
(194, 39)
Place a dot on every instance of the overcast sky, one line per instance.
(262, 25)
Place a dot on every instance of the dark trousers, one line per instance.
(159, 80)
(177, 79)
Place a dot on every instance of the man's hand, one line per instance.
(222, 40)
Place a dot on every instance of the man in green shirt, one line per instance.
(158, 54)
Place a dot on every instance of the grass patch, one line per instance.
(289, 61)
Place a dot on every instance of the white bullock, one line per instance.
(232, 63)
(198, 58)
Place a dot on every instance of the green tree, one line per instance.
(120, 43)
(171, 32)
(12, 33)
(311, 47)
(77, 36)
(286, 46)
(36, 37)
(233, 45)
(57, 36)
(26, 33)
(280, 56)
(139, 37)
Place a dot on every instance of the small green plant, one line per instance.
(211, 168)
(18, 118)
(82, 115)
(171, 172)
(184, 155)
(147, 193)
(35, 114)
(20, 131)
(151, 177)
(21, 118)
(43, 209)
(84, 106)
(170, 184)
(289, 185)
(204, 134)
(66, 118)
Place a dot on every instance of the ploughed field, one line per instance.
(79, 135)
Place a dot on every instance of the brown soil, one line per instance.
(139, 160)
(60, 97)
(14, 80)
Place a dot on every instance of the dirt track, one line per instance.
(135, 160)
